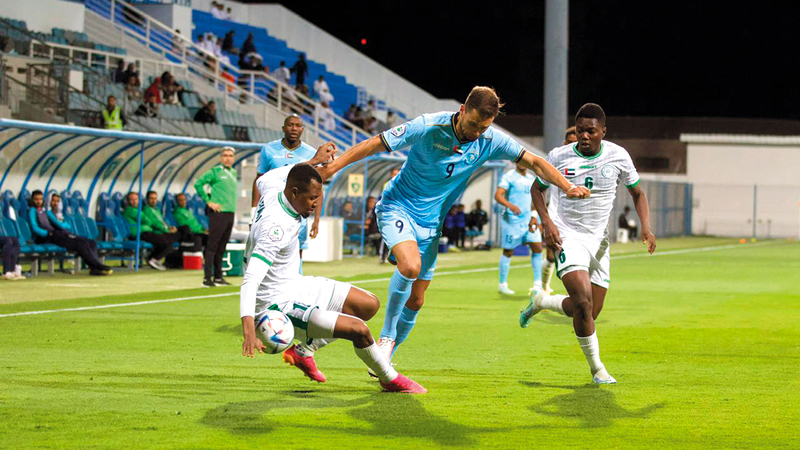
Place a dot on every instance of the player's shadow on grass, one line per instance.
(231, 329)
(406, 414)
(594, 406)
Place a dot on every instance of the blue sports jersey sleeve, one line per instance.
(404, 136)
(264, 160)
(504, 147)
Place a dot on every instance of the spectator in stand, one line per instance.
(56, 207)
(154, 91)
(626, 223)
(217, 11)
(130, 72)
(283, 74)
(248, 46)
(49, 230)
(358, 117)
(460, 223)
(9, 252)
(322, 91)
(325, 117)
(172, 92)
(220, 199)
(154, 230)
(207, 114)
(113, 117)
(350, 114)
(228, 14)
(300, 70)
(184, 217)
(119, 75)
(133, 88)
(477, 218)
(227, 43)
(148, 108)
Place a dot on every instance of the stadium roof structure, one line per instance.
(92, 161)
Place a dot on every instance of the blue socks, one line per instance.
(408, 318)
(505, 265)
(301, 266)
(399, 291)
(536, 263)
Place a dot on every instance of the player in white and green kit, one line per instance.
(319, 308)
(578, 231)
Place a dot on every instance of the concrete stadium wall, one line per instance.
(176, 16)
(44, 15)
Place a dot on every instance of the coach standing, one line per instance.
(220, 206)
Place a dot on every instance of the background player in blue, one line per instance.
(444, 150)
(283, 152)
(519, 225)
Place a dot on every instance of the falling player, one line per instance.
(549, 261)
(319, 308)
(519, 226)
(444, 150)
(578, 231)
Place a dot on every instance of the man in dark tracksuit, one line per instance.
(48, 229)
(221, 207)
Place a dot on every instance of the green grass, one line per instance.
(704, 346)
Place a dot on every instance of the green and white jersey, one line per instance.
(273, 240)
(601, 173)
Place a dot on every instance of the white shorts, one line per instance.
(585, 254)
(308, 294)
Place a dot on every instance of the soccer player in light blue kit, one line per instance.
(519, 225)
(283, 152)
(444, 150)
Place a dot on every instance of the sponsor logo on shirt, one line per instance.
(398, 130)
(441, 146)
(275, 233)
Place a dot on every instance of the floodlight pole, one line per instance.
(556, 63)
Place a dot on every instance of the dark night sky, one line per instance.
(634, 58)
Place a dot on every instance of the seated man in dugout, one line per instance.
(184, 217)
(154, 229)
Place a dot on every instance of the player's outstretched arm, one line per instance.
(545, 170)
(551, 237)
(325, 153)
(251, 343)
(643, 210)
(356, 153)
(257, 269)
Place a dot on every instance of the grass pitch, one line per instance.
(703, 343)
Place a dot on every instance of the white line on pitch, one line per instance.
(378, 280)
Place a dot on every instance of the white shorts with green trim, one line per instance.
(588, 255)
(308, 294)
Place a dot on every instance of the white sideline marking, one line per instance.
(378, 280)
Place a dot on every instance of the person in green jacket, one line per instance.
(222, 184)
(153, 228)
(184, 217)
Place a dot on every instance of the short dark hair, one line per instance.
(36, 192)
(54, 194)
(180, 194)
(570, 132)
(110, 97)
(301, 175)
(485, 101)
(591, 111)
(286, 120)
(151, 192)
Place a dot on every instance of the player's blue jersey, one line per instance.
(518, 192)
(274, 154)
(438, 165)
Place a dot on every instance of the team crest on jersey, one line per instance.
(398, 130)
(275, 233)
(471, 158)
(607, 171)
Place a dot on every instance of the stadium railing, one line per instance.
(161, 39)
